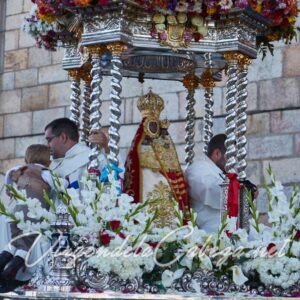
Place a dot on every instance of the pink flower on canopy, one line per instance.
(225, 5)
(163, 36)
(102, 2)
(241, 3)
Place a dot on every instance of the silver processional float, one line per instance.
(187, 41)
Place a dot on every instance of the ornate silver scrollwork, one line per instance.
(113, 132)
(60, 277)
(94, 279)
(207, 282)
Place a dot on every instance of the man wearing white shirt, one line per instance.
(204, 178)
(70, 159)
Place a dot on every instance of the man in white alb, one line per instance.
(204, 178)
(69, 158)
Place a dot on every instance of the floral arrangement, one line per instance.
(190, 15)
(42, 29)
(108, 220)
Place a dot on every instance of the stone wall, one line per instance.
(34, 90)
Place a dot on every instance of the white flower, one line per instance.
(231, 224)
(168, 277)
(205, 262)
(76, 201)
(295, 250)
(19, 215)
(186, 261)
(237, 275)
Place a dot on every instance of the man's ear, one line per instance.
(216, 154)
(64, 137)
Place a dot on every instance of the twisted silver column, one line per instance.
(230, 120)
(208, 117)
(241, 120)
(96, 102)
(85, 115)
(191, 82)
(244, 208)
(75, 96)
(208, 83)
(190, 127)
(113, 132)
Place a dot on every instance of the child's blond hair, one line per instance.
(38, 154)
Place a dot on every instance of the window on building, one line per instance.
(2, 33)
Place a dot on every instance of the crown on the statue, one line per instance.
(150, 105)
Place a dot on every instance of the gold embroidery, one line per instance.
(165, 151)
(165, 207)
(148, 159)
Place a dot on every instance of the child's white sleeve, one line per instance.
(46, 175)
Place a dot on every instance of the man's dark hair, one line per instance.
(217, 142)
(64, 125)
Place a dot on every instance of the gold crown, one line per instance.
(165, 124)
(150, 105)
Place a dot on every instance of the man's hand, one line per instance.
(98, 137)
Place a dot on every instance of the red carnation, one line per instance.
(277, 19)
(197, 36)
(137, 250)
(122, 235)
(78, 289)
(115, 225)
(153, 244)
(297, 235)
(102, 2)
(285, 23)
(272, 249)
(105, 238)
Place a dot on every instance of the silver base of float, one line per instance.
(112, 295)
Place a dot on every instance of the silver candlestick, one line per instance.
(60, 278)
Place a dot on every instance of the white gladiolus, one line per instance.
(238, 276)
(168, 277)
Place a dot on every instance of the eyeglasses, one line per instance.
(50, 138)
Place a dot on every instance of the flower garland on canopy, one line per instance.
(282, 15)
